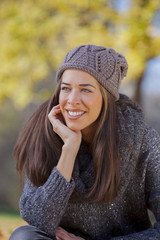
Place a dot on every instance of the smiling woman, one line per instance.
(77, 101)
(90, 161)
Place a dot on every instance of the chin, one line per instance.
(74, 128)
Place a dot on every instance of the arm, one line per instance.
(44, 206)
(150, 143)
(71, 139)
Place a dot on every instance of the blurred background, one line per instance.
(34, 38)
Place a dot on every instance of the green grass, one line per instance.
(9, 221)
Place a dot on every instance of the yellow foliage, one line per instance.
(35, 36)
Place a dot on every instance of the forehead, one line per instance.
(74, 76)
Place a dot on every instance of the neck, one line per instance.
(88, 133)
(87, 139)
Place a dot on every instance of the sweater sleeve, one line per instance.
(44, 206)
(151, 144)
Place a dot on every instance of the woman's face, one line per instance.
(80, 100)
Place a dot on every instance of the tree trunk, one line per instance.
(137, 96)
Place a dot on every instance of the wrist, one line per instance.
(71, 148)
(67, 159)
(72, 145)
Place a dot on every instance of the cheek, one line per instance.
(95, 109)
(61, 100)
(98, 105)
(61, 104)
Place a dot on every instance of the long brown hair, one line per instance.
(38, 148)
(105, 148)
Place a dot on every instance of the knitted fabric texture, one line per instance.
(105, 64)
(126, 218)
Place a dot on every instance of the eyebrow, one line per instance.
(82, 85)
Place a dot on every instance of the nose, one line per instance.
(74, 97)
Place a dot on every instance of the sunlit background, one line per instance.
(34, 38)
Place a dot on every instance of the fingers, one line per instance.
(63, 231)
(58, 122)
(64, 235)
(58, 238)
(54, 112)
(55, 117)
(60, 127)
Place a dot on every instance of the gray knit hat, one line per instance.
(105, 64)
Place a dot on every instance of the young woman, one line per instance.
(91, 163)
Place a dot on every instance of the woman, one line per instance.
(91, 164)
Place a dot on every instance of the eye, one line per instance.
(66, 89)
(85, 90)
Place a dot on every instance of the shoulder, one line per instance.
(129, 108)
(131, 120)
(132, 126)
(151, 140)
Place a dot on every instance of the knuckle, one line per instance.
(55, 128)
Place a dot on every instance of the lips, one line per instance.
(74, 114)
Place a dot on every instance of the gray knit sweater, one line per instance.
(59, 202)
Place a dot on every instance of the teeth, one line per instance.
(75, 113)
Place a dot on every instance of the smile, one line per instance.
(74, 114)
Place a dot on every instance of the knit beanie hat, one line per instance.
(105, 64)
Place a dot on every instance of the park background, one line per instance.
(34, 38)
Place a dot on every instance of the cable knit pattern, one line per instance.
(59, 202)
(105, 64)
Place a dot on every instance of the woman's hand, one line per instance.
(71, 139)
(62, 234)
(59, 126)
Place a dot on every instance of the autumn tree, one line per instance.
(35, 36)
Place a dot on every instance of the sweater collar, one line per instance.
(130, 131)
